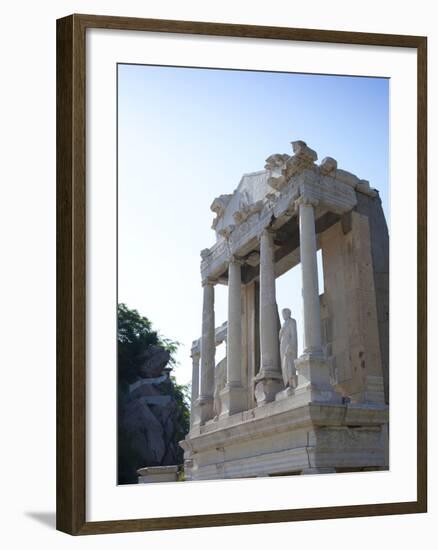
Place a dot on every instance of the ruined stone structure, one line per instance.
(327, 410)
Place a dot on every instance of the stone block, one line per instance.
(158, 474)
(233, 400)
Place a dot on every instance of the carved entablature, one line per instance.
(269, 198)
(214, 259)
(329, 167)
(329, 193)
(220, 333)
(246, 210)
(241, 240)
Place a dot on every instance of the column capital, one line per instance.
(235, 260)
(208, 281)
(305, 200)
(266, 231)
(195, 350)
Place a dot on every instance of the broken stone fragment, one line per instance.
(219, 204)
(304, 158)
(301, 150)
(277, 183)
(275, 163)
(347, 177)
(205, 252)
(364, 187)
(328, 166)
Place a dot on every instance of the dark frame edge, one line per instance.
(71, 255)
(246, 31)
(422, 274)
(248, 518)
(70, 277)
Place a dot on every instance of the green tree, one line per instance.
(135, 334)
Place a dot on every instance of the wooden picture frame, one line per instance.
(71, 273)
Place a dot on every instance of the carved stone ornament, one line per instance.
(276, 165)
(303, 159)
(328, 166)
(218, 206)
(226, 231)
(283, 167)
(246, 210)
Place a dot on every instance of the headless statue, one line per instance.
(288, 349)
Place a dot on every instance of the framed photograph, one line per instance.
(241, 274)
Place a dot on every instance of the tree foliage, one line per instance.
(135, 334)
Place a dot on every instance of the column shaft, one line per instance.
(268, 306)
(313, 369)
(309, 271)
(195, 376)
(208, 346)
(234, 329)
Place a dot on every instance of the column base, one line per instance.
(267, 384)
(204, 406)
(314, 380)
(233, 400)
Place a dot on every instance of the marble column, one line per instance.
(208, 350)
(313, 369)
(196, 356)
(269, 379)
(309, 272)
(234, 327)
(233, 396)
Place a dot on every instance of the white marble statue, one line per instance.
(288, 349)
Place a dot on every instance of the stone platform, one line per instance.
(281, 438)
(158, 474)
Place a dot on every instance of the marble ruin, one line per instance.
(263, 411)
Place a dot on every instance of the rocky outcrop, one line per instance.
(150, 418)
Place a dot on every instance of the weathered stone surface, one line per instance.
(282, 438)
(371, 207)
(148, 419)
(153, 361)
(352, 309)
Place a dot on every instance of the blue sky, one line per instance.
(186, 135)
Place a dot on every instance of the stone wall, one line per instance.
(351, 309)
